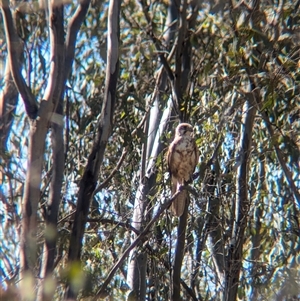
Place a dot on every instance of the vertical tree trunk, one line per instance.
(179, 253)
(57, 144)
(90, 176)
(39, 121)
(49, 249)
(156, 125)
(38, 131)
(257, 237)
(235, 252)
(137, 264)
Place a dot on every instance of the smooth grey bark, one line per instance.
(136, 276)
(9, 95)
(155, 127)
(38, 131)
(88, 182)
(235, 249)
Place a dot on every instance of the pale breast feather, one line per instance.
(184, 157)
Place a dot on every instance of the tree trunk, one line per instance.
(57, 144)
(38, 131)
(90, 176)
(235, 252)
(179, 253)
(156, 125)
(39, 122)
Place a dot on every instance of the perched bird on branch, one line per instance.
(182, 157)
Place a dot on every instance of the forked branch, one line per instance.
(13, 50)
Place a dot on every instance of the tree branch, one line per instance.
(8, 104)
(73, 29)
(287, 173)
(106, 181)
(141, 236)
(182, 27)
(13, 49)
(56, 73)
(179, 252)
(62, 57)
(95, 159)
(234, 260)
(125, 225)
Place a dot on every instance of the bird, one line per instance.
(182, 157)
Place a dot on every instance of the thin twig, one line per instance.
(280, 158)
(125, 225)
(105, 183)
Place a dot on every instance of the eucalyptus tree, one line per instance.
(88, 156)
(48, 112)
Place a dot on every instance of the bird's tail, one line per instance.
(178, 205)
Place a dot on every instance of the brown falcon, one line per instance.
(182, 157)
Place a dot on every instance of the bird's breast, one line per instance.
(184, 159)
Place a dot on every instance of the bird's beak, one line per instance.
(191, 131)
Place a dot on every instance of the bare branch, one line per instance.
(107, 180)
(73, 29)
(56, 35)
(13, 49)
(134, 244)
(125, 225)
(179, 252)
(234, 261)
(95, 159)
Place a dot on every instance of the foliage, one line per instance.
(236, 49)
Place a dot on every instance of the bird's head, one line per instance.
(184, 129)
